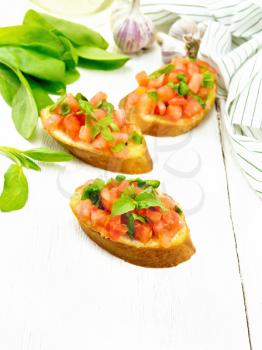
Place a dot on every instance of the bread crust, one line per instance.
(159, 126)
(138, 161)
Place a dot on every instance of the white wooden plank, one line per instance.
(59, 290)
(246, 208)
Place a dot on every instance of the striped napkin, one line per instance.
(232, 43)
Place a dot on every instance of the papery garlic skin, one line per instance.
(170, 47)
(183, 26)
(132, 30)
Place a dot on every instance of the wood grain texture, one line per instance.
(60, 291)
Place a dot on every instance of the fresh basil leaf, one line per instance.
(65, 109)
(153, 94)
(165, 70)
(130, 222)
(48, 155)
(92, 191)
(80, 97)
(87, 108)
(95, 130)
(123, 205)
(76, 33)
(148, 199)
(173, 85)
(15, 192)
(18, 157)
(136, 138)
(138, 217)
(120, 178)
(208, 80)
(109, 107)
(105, 121)
(130, 191)
(181, 77)
(118, 147)
(153, 183)
(183, 88)
(107, 134)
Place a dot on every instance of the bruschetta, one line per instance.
(173, 99)
(133, 220)
(97, 133)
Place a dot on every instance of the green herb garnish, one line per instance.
(199, 100)
(183, 88)
(178, 210)
(167, 69)
(208, 80)
(120, 178)
(92, 191)
(136, 138)
(130, 222)
(107, 134)
(181, 77)
(118, 147)
(153, 94)
(65, 109)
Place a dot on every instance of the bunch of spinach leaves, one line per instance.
(40, 57)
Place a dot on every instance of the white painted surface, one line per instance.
(60, 291)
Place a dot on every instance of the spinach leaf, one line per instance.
(99, 65)
(70, 56)
(33, 62)
(32, 37)
(51, 87)
(41, 97)
(76, 33)
(70, 76)
(48, 155)
(9, 83)
(15, 192)
(99, 56)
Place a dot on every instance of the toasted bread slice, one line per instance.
(155, 125)
(163, 87)
(136, 161)
(148, 254)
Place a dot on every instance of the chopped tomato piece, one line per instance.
(100, 96)
(192, 107)
(203, 92)
(123, 185)
(173, 77)
(142, 78)
(178, 100)
(109, 196)
(160, 108)
(85, 134)
(120, 137)
(171, 218)
(180, 66)
(192, 68)
(83, 209)
(99, 217)
(100, 143)
(52, 122)
(100, 114)
(71, 125)
(153, 215)
(166, 93)
(157, 82)
(195, 82)
(72, 103)
(115, 228)
(143, 232)
(174, 112)
(133, 98)
(120, 117)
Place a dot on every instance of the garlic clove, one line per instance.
(170, 47)
(183, 26)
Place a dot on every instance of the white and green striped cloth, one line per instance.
(232, 43)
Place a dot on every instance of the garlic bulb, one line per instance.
(132, 30)
(183, 40)
(170, 47)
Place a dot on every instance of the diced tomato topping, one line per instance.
(133, 98)
(173, 77)
(153, 215)
(165, 93)
(72, 103)
(203, 92)
(100, 114)
(120, 137)
(115, 228)
(143, 232)
(99, 217)
(192, 107)
(195, 82)
(157, 82)
(174, 112)
(100, 143)
(52, 122)
(142, 78)
(120, 118)
(85, 134)
(71, 126)
(180, 66)
(122, 186)
(100, 96)
(83, 209)
(109, 196)
(160, 108)
(192, 68)
(178, 100)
